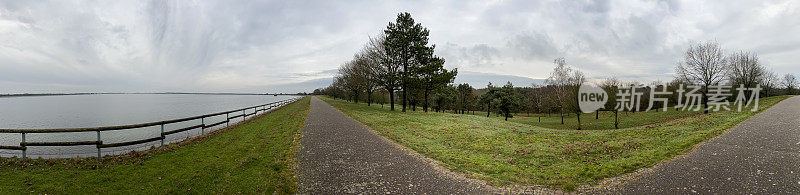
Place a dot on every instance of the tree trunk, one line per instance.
(404, 99)
(369, 98)
(425, 106)
(561, 112)
(705, 100)
(391, 99)
(488, 109)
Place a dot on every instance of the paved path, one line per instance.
(340, 155)
(759, 156)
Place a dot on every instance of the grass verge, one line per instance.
(252, 157)
(504, 151)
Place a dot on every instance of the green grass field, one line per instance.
(501, 151)
(249, 158)
(605, 120)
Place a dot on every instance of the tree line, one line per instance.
(401, 60)
(398, 59)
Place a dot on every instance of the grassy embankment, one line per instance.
(501, 151)
(253, 157)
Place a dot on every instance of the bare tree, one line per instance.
(790, 83)
(537, 98)
(770, 82)
(575, 81)
(704, 65)
(550, 101)
(352, 79)
(563, 79)
(388, 73)
(559, 79)
(336, 89)
(611, 86)
(745, 70)
(367, 69)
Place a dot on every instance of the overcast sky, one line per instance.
(288, 46)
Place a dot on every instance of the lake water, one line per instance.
(76, 111)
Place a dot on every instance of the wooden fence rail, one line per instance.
(23, 145)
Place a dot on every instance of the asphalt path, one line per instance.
(759, 156)
(339, 155)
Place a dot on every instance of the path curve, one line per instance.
(759, 156)
(340, 155)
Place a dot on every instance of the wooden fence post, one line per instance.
(162, 133)
(99, 155)
(24, 150)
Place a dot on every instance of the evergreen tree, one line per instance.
(431, 76)
(445, 98)
(405, 43)
(488, 97)
(507, 99)
(464, 97)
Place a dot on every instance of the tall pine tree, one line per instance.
(406, 42)
(431, 75)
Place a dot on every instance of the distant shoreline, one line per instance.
(165, 93)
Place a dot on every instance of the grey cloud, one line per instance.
(600, 6)
(480, 55)
(530, 46)
(238, 46)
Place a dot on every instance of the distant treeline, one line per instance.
(400, 60)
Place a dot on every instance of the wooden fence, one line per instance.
(23, 145)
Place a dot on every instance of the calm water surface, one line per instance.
(75, 111)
